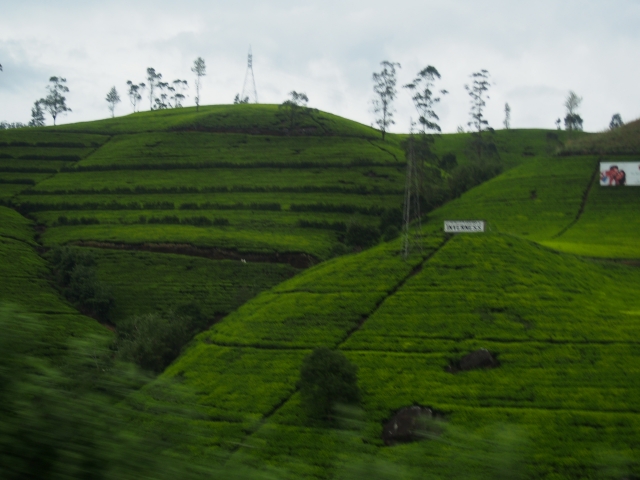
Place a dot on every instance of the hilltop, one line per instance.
(624, 140)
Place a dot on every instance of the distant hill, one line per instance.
(624, 140)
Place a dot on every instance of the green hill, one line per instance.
(171, 202)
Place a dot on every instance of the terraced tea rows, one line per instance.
(560, 326)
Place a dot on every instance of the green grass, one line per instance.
(254, 119)
(24, 281)
(535, 200)
(217, 286)
(621, 141)
(286, 240)
(47, 138)
(242, 150)
(563, 328)
(246, 219)
(607, 228)
(363, 179)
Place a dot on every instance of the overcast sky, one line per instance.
(535, 51)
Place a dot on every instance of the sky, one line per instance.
(535, 52)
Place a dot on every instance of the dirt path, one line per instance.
(297, 260)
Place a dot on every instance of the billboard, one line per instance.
(463, 226)
(618, 174)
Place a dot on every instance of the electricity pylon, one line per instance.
(249, 87)
(411, 212)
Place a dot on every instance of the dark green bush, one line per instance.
(361, 235)
(75, 272)
(327, 378)
(390, 233)
(154, 340)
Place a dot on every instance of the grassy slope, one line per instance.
(563, 328)
(223, 157)
(24, 282)
(494, 291)
(609, 225)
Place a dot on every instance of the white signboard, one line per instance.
(463, 226)
(618, 174)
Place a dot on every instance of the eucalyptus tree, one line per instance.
(56, 103)
(385, 89)
(237, 100)
(425, 99)
(112, 100)
(507, 116)
(135, 93)
(37, 114)
(200, 69)
(477, 91)
(161, 101)
(154, 79)
(295, 108)
(572, 120)
(616, 121)
(178, 87)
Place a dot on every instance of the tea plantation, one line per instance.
(228, 209)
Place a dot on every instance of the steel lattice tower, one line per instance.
(249, 87)
(411, 211)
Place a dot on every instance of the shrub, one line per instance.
(154, 340)
(390, 233)
(326, 378)
(391, 217)
(361, 235)
(75, 272)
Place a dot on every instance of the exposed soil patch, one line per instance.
(297, 260)
(410, 424)
(475, 360)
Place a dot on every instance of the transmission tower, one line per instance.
(412, 187)
(249, 87)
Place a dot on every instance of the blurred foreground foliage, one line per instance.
(80, 421)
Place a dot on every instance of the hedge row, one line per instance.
(47, 144)
(203, 165)
(17, 181)
(199, 221)
(28, 207)
(357, 190)
(337, 208)
(27, 170)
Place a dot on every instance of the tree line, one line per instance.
(164, 94)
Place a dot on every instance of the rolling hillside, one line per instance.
(171, 202)
(563, 328)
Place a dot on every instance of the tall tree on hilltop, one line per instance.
(113, 99)
(161, 102)
(424, 99)
(135, 93)
(56, 103)
(507, 116)
(200, 69)
(477, 90)
(154, 79)
(295, 108)
(385, 89)
(572, 121)
(177, 96)
(37, 114)
(616, 121)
